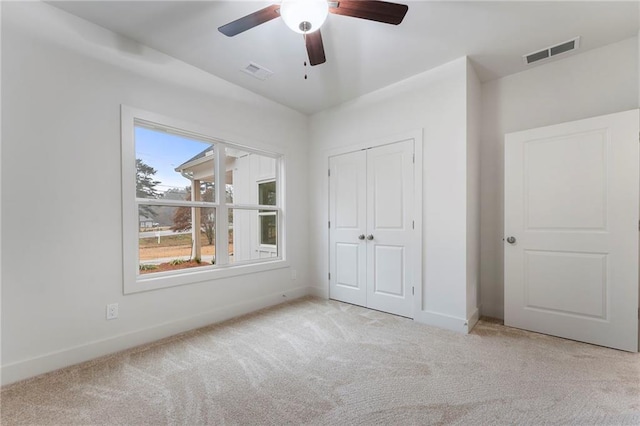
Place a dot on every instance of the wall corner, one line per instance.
(473, 98)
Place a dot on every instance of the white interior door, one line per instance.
(347, 227)
(370, 240)
(389, 227)
(571, 230)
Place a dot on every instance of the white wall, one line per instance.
(435, 101)
(63, 81)
(597, 82)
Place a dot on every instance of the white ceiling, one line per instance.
(362, 56)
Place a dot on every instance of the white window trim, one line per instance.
(133, 282)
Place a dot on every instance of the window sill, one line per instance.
(150, 282)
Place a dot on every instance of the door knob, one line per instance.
(361, 237)
(511, 240)
(370, 237)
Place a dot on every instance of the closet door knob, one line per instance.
(370, 237)
(361, 237)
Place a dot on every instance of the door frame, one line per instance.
(416, 241)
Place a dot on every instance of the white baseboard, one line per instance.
(25, 369)
(448, 322)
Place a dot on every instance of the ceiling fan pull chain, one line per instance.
(305, 62)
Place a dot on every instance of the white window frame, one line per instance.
(134, 282)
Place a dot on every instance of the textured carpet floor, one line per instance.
(322, 362)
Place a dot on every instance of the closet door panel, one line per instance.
(389, 227)
(347, 216)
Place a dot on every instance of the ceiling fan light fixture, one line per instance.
(304, 16)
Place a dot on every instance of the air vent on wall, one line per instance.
(257, 71)
(549, 52)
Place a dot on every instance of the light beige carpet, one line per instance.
(321, 362)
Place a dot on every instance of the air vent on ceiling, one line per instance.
(257, 71)
(549, 52)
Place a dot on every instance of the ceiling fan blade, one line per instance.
(315, 48)
(380, 11)
(252, 20)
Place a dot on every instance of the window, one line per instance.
(195, 208)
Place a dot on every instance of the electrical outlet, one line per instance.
(112, 311)
(294, 274)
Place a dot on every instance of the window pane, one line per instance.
(168, 165)
(268, 228)
(246, 230)
(245, 171)
(228, 178)
(267, 193)
(166, 240)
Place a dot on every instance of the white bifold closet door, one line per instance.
(370, 227)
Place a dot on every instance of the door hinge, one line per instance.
(413, 291)
(329, 276)
(413, 224)
(329, 172)
(414, 158)
(329, 224)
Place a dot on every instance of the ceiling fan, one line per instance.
(307, 16)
